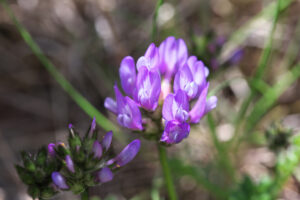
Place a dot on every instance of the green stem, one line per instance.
(259, 72)
(85, 195)
(154, 23)
(167, 172)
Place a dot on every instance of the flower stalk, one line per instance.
(85, 195)
(167, 172)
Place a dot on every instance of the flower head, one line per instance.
(150, 96)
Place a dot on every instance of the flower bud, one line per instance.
(70, 164)
(51, 150)
(97, 150)
(105, 175)
(107, 140)
(59, 180)
(128, 153)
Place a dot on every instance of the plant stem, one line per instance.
(154, 23)
(85, 195)
(167, 172)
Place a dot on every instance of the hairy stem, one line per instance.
(167, 172)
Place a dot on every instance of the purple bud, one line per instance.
(150, 59)
(97, 150)
(51, 150)
(105, 175)
(148, 88)
(59, 180)
(128, 153)
(70, 126)
(175, 132)
(70, 164)
(128, 75)
(107, 140)
(129, 114)
(176, 107)
(93, 127)
(173, 54)
(111, 105)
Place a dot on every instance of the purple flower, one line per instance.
(127, 111)
(198, 69)
(175, 132)
(184, 81)
(59, 180)
(128, 75)
(111, 105)
(127, 154)
(51, 150)
(150, 59)
(173, 54)
(97, 150)
(148, 88)
(175, 112)
(210, 104)
(129, 114)
(191, 78)
(107, 140)
(202, 106)
(105, 175)
(176, 107)
(70, 164)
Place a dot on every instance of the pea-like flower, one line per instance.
(148, 88)
(148, 85)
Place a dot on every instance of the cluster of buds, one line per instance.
(36, 173)
(165, 87)
(278, 136)
(83, 163)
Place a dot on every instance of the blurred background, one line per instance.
(86, 40)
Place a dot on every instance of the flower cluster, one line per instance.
(36, 173)
(84, 162)
(148, 85)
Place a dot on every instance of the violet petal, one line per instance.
(51, 150)
(210, 104)
(70, 164)
(111, 105)
(59, 180)
(128, 153)
(106, 142)
(148, 88)
(97, 150)
(128, 75)
(198, 110)
(105, 175)
(175, 132)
